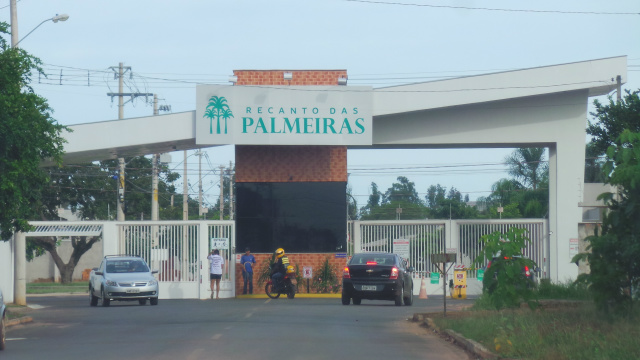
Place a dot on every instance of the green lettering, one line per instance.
(328, 124)
(246, 122)
(273, 126)
(308, 125)
(345, 124)
(360, 125)
(260, 124)
(289, 125)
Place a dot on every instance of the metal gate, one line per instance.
(427, 237)
(178, 250)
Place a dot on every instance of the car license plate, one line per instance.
(133, 291)
(369, 288)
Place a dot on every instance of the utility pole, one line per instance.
(121, 69)
(14, 23)
(200, 210)
(154, 175)
(619, 85)
(185, 190)
(19, 240)
(221, 192)
(230, 191)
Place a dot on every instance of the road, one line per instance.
(68, 328)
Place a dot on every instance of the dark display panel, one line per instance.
(301, 217)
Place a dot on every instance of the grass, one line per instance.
(563, 333)
(57, 288)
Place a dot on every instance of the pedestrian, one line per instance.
(248, 261)
(217, 262)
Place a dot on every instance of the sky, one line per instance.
(173, 45)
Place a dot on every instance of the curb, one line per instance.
(469, 345)
(18, 321)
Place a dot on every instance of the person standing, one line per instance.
(247, 260)
(217, 262)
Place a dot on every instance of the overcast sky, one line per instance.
(173, 45)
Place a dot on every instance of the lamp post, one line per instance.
(14, 27)
(20, 248)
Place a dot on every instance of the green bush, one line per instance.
(326, 281)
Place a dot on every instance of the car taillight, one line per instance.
(394, 273)
(345, 273)
(372, 263)
(526, 271)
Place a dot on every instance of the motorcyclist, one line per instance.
(279, 268)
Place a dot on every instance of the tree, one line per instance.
(402, 191)
(504, 282)
(614, 254)
(28, 136)
(593, 172)
(89, 191)
(612, 119)
(451, 206)
(527, 166)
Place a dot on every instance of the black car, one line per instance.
(377, 276)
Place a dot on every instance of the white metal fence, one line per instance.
(178, 250)
(427, 237)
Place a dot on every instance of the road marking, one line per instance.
(14, 339)
(36, 306)
(216, 336)
(248, 315)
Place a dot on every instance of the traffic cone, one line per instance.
(423, 290)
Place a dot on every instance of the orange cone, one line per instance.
(423, 290)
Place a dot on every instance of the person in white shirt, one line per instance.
(217, 262)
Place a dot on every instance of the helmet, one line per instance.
(280, 253)
(290, 269)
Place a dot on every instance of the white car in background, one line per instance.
(3, 329)
(123, 278)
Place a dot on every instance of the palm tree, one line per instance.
(215, 108)
(226, 114)
(527, 165)
(210, 113)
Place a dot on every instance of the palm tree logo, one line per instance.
(218, 108)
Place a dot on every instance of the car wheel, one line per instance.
(408, 301)
(142, 301)
(153, 301)
(105, 300)
(346, 300)
(399, 296)
(3, 333)
(356, 300)
(93, 300)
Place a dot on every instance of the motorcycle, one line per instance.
(287, 287)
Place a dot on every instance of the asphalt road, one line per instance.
(68, 328)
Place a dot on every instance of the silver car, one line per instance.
(3, 331)
(123, 278)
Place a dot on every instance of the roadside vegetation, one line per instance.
(569, 327)
(58, 288)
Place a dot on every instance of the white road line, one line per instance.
(216, 336)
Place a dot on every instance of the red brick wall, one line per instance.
(300, 77)
(316, 261)
(291, 163)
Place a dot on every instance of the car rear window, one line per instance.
(380, 259)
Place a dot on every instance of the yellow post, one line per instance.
(459, 283)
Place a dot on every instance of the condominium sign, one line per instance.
(294, 115)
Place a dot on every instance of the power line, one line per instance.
(494, 9)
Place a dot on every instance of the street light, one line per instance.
(55, 19)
